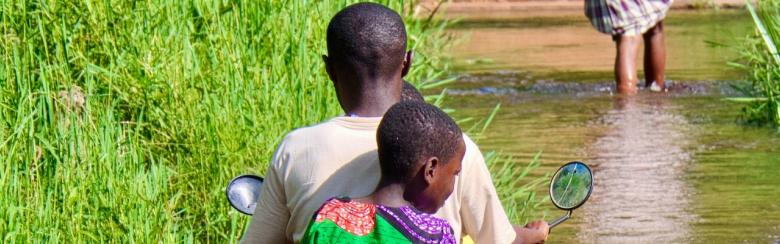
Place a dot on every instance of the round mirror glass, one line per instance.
(243, 193)
(571, 185)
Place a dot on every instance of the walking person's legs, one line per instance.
(655, 57)
(625, 64)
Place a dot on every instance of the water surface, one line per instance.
(676, 167)
(567, 47)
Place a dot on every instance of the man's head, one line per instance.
(366, 52)
(420, 147)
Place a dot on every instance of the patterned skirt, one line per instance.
(626, 17)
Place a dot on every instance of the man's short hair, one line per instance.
(411, 131)
(410, 93)
(368, 36)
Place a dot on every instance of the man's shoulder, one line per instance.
(311, 131)
(473, 154)
(301, 141)
(470, 144)
(335, 129)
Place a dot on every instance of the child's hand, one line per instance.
(533, 232)
(541, 226)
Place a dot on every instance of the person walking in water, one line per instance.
(628, 21)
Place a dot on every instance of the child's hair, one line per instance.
(411, 131)
(369, 37)
(410, 93)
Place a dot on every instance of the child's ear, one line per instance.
(429, 169)
(328, 67)
(407, 63)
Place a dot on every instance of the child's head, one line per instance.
(366, 50)
(420, 147)
(410, 93)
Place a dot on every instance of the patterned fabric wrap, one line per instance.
(418, 226)
(626, 17)
(346, 221)
(353, 217)
(599, 16)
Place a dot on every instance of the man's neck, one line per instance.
(373, 104)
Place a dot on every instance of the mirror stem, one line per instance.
(560, 220)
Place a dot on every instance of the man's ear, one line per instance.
(429, 169)
(407, 63)
(328, 68)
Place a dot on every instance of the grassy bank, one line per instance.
(124, 120)
(762, 63)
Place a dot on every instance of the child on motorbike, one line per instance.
(420, 151)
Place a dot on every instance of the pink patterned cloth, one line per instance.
(359, 222)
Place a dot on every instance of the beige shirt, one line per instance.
(339, 158)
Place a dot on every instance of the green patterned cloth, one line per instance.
(346, 221)
(329, 232)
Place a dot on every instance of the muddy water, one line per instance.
(567, 47)
(676, 167)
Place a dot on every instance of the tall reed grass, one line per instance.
(762, 63)
(124, 120)
(516, 191)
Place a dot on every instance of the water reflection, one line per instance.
(640, 195)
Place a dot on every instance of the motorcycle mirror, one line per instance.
(570, 187)
(243, 192)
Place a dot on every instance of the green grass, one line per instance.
(704, 4)
(762, 63)
(511, 176)
(516, 191)
(124, 120)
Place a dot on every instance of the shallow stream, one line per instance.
(674, 167)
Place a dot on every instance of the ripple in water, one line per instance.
(640, 195)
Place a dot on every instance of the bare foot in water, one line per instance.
(656, 88)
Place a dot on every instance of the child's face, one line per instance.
(443, 180)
